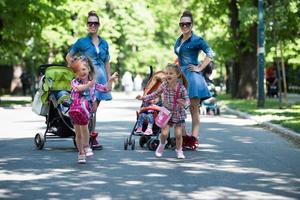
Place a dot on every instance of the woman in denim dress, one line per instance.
(187, 48)
(95, 48)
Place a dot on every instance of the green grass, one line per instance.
(8, 103)
(287, 116)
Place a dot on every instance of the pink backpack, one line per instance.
(163, 117)
(164, 114)
(80, 111)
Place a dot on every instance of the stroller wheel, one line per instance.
(143, 140)
(171, 142)
(152, 144)
(132, 143)
(125, 143)
(39, 140)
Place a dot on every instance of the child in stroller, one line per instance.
(210, 105)
(147, 115)
(149, 137)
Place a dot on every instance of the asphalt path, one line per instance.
(236, 160)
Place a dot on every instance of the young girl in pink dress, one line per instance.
(175, 83)
(83, 90)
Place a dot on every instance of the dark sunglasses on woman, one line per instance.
(185, 24)
(93, 23)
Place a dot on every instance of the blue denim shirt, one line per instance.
(85, 47)
(189, 50)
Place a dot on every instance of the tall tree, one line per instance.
(22, 23)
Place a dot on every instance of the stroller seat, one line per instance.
(152, 141)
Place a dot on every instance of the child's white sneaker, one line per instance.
(160, 150)
(179, 154)
(88, 152)
(81, 159)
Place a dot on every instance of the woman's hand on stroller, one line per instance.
(139, 97)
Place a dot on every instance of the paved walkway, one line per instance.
(236, 160)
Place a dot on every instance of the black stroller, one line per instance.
(54, 92)
(151, 141)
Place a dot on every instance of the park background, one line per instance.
(142, 33)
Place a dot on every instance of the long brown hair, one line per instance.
(178, 71)
(87, 62)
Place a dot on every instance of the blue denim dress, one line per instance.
(84, 46)
(188, 53)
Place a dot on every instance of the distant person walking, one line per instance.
(26, 82)
(97, 49)
(127, 82)
(187, 48)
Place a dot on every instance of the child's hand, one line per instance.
(181, 102)
(114, 77)
(139, 97)
(91, 83)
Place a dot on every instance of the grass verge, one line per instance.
(288, 115)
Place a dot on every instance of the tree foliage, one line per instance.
(142, 33)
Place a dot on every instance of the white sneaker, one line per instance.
(179, 154)
(88, 152)
(160, 150)
(81, 159)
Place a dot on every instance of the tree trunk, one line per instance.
(247, 82)
(244, 67)
(235, 24)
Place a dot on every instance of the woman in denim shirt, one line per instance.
(97, 49)
(187, 48)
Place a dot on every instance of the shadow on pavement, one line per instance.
(233, 162)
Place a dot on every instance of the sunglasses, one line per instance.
(82, 58)
(185, 24)
(93, 24)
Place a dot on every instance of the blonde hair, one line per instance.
(77, 61)
(178, 71)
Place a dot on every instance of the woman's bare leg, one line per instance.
(94, 117)
(194, 109)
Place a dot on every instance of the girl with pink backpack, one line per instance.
(175, 101)
(83, 102)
